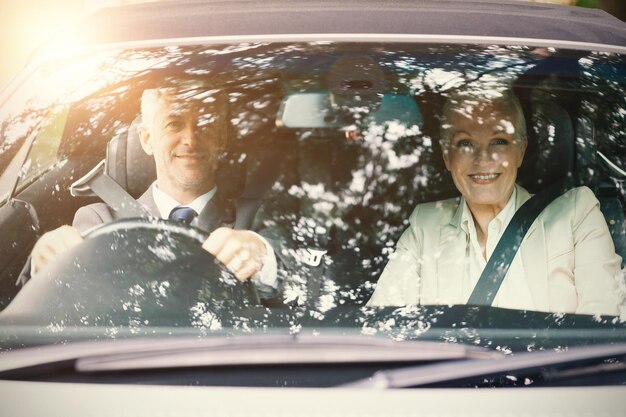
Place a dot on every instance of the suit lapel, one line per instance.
(451, 260)
(533, 254)
(215, 214)
(534, 261)
(147, 199)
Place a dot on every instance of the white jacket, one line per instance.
(568, 257)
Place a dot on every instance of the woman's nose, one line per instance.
(483, 155)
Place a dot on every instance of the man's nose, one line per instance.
(190, 136)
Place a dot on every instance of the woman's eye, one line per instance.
(464, 144)
(499, 142)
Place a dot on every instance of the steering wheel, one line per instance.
(136, 272)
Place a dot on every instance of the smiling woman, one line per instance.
(483, 141)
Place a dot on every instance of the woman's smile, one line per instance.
(484, 178)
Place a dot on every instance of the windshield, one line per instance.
(369, 170)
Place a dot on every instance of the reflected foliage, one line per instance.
(333, 199)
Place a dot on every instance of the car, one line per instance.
(334, 127)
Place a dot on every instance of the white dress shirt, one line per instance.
(514, 291)
(165, 203)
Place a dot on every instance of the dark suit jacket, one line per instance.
(217, 213)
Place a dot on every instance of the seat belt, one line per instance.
(498, 265)
(113, 194)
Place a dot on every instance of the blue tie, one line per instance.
(183, 214)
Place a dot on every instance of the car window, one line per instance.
(330, 147)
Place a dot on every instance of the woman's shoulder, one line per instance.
(578, 196)
(434, 212)
(575, 202)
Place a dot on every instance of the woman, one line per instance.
(567, 261)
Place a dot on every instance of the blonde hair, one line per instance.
(501, 98)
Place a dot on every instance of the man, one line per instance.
(184, 128)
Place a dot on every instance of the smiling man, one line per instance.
(184, 129)
(567, 261)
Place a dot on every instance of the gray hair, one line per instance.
(504, 98)
(180, 89)
(149, 100)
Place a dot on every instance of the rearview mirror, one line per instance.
(315, 110)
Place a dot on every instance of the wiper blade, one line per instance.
(415, 376)
(265, 349)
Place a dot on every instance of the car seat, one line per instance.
(554, 155)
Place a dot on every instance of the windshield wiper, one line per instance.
(579, 358)
(265, 349)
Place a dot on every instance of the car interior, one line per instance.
(287, 173)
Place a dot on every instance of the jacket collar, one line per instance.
(521, 195)
(533, 256)
(218, 211)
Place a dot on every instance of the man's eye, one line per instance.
(174, 125)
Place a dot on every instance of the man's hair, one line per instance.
(179, 90)
(504, 99)
(149, 101)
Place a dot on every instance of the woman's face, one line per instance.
(484, 152)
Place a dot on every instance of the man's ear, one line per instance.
(146, 139)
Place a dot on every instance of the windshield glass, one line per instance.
(380, 177)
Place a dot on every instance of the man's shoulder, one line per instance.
(94, 207)
(92, 215)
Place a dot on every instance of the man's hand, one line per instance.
(52, 244)
(240, 250)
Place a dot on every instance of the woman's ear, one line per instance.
(446, 156)
(146, 139)
(522, 149)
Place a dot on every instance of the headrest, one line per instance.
(551, 146)
(128, 164)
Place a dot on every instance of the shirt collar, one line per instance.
(503, 218)
(166, 203)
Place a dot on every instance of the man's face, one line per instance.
(484, 152)
(183, 136)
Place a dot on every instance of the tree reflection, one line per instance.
(334, 199)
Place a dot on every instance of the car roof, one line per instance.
(476, 18)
